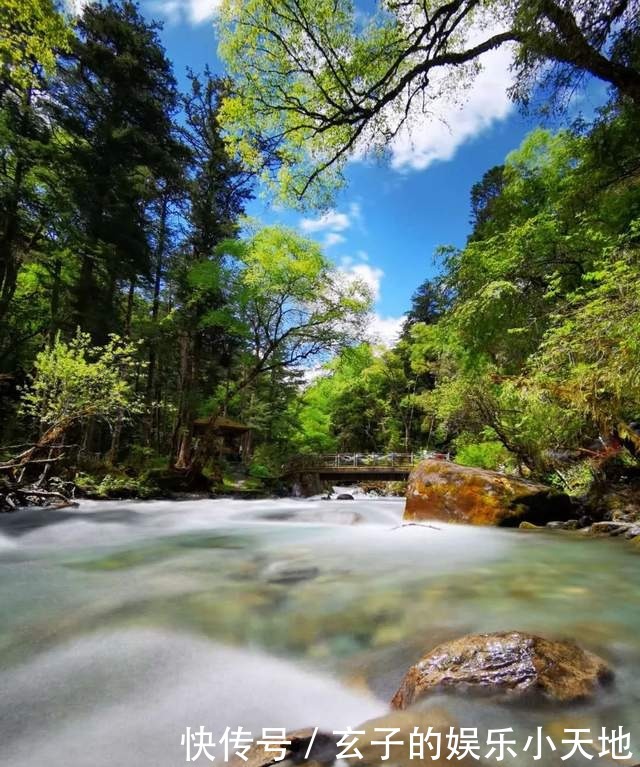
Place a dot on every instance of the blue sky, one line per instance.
(388, 222)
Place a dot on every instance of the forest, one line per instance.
(141, 310)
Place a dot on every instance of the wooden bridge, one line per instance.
(353, 467)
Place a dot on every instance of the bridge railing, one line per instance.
(357, 461)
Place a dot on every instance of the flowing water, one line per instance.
(123, 623)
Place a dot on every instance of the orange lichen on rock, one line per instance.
(505, 665)
(451, 493)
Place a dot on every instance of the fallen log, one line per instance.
(13, 497)
(31, 493)
(13, 465)
(25, 478)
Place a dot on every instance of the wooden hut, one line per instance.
(231, 438)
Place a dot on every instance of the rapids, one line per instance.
(123, 623)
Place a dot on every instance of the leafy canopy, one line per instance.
(32, 33)
(318, 81)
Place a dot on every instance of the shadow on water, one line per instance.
(27, 520)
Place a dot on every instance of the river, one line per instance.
(123, 623)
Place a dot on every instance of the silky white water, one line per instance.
(123, 623)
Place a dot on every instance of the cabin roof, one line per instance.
(221, 423)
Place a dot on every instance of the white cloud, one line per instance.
(329, 221)
(332, 224)
(76, 6)
(384, 330)
(380, 330)
(371, 276)
(436, 136)
(195, 12)
(333, 238)
(312, 374)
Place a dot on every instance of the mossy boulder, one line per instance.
(451, 493)
(506, 666)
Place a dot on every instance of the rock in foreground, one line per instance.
(508, 665)
(451, 493)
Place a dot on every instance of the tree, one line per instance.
(286, 303)
(114, 99)
(217, 190)
(484, 195)
(32, 32)
(294, 305)
(587, 360)
(534, 352)
(314, 84)
(429, 302)
(75, 383)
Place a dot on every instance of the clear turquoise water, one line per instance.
(123, 623)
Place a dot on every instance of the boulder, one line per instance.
(452, 493)
(570, 524)
(290, 572)
(610, 528)
(344, 497)
(509, 665)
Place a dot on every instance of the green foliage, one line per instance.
(76, 381)
(588, 360)
(32, 33)
(540, 341)
(324, 80)
(115, 486)
(120, 206)
(364, 400)
(266, 462)
(491, 454)
(575, 479)
(113, 102)
(294, 304)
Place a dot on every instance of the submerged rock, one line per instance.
(610, 528)
(451, 493)
(569, 524)
(529, 526)
(289, 572)
(507, 665)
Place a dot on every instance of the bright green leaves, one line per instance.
(588, 360)
(542, 340)
(76, 381)
(319, 81)
(32, 32)
(280, 77)
(292, 299)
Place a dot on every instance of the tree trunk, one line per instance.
(183, 432)
(129, 315)
(55, 301)
(9, 261)
(152, 398)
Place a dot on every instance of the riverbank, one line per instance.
(610, 509)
